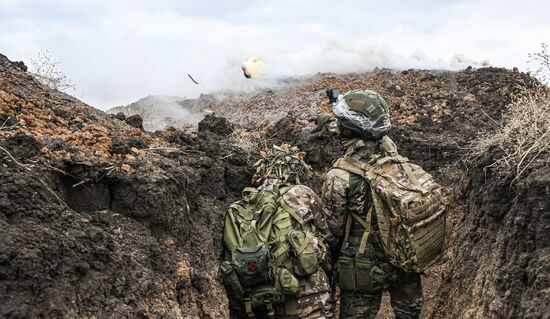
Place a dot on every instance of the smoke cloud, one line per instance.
(334, 56)
(161, 111)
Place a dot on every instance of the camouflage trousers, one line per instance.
(314, 301)
(406, 298)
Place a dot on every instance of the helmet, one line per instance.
(363, 112)
(283, 164)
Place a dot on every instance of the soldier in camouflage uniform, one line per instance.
(284, 166)
(314, 299)
(363, 117)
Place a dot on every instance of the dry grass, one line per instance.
(540, 64)
(522, 137)
(46, 70)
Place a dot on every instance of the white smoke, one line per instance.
(218, 76)
(334, 56)
(160, 111)
(338, 57)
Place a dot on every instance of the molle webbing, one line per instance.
(408, 204)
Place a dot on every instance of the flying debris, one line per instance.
(252, 67)
(189, 75)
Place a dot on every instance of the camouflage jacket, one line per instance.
(345, 192)
(310, 208)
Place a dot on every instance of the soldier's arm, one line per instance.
(308, 205)
(320, 218)
(334, 198)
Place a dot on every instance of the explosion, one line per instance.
(252, 67)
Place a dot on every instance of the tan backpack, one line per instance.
(408, 205)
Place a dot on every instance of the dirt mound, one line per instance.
(100, 219)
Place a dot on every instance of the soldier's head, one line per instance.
(362, 113)
(280, 165)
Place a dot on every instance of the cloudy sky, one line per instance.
(117, 51)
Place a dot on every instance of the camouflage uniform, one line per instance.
(314, 299)
(343, 193)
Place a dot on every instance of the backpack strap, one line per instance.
(367, 224)
(366, 171)
(291, 211)
(346, 234)
(366, 233)
(248, 307)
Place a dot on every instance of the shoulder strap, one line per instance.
(346, 234)
(367, 224)
(366, 233)
(291, 211)
(354, 166)
(366, 171)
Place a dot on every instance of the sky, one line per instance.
(117, 51)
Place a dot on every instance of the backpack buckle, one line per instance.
(407, 264)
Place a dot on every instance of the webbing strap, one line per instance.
(283, 248)
(411, 175)
(293, 213)
(358, 219)
(248, 308)
(357, 167)
(366, 233)
(348, 229)
(270, 310)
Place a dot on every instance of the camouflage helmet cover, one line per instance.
(364, 111)
(283, 163)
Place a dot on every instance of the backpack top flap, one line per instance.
(248, 221)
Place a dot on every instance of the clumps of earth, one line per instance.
(101, 218)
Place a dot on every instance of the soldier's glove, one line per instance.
(324, 123)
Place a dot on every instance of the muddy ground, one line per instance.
(100, 219)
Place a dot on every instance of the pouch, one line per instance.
(259, 297)
(345, 268)
(304, 253)
(286, 282)
(252, 265)
(365, 268)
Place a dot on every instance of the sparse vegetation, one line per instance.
(522, 137)
(46, 70)
(541, 62)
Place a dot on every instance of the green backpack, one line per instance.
(408, 205)
(264, 255)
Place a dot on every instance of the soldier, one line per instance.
(281, 171)
(363, 117)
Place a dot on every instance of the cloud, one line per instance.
(119, 51)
